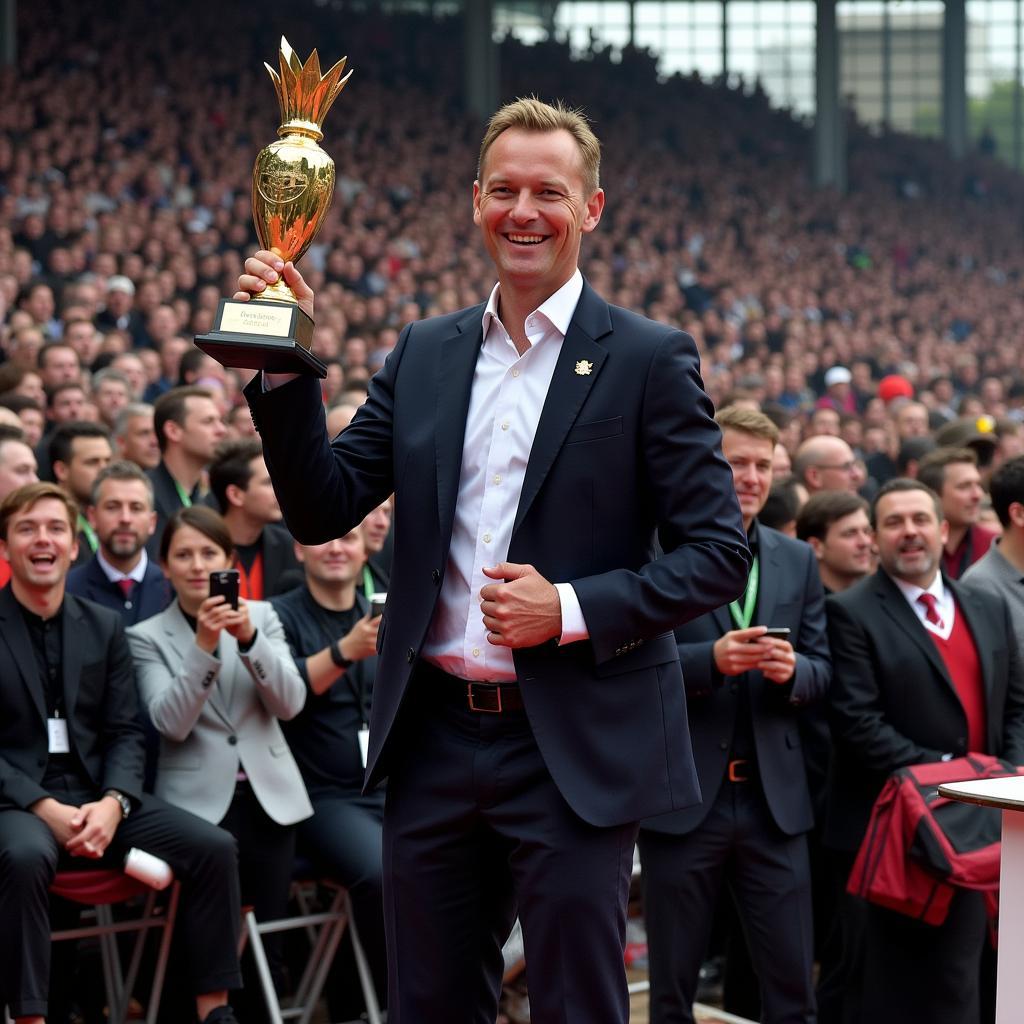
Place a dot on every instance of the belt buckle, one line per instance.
(734, 767)
(492, 691)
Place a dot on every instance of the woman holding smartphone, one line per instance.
(216, 675)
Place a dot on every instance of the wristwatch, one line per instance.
(338, 658)
(126, 804)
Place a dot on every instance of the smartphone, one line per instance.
(778, 632)
(377, 604)
(225, 584)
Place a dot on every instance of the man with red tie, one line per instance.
(923, 670)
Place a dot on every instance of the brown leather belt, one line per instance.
(482, 698)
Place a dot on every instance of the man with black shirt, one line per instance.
(188, 429)
(376, 531)
(71, 769)
(264, 554)
(333, 639)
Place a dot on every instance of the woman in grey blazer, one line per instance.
(215, 682)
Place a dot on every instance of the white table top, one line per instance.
(1006, 793)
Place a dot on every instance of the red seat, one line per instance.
(100, 889)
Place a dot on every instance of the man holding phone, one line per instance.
(332, 631)
(749, 668)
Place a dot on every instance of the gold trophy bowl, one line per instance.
(292, 188)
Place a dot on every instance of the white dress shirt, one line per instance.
(505, 406)
(115, 575)
(945, 605)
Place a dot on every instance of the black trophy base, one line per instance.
(260, 335)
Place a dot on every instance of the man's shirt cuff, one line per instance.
(574, 626)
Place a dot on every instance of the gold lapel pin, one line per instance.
(583, 368)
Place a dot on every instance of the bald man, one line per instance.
(826, 463)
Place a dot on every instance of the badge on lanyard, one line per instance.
(364, 743)
(57, 733)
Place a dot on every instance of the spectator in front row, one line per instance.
(744, 695)
(72, 795)
(836, 525)
(264, 552)
(1001, 569)
(925, 670)
(334, 641)
(215, 681)
(188, 429)
(122, 576)
(952, 473)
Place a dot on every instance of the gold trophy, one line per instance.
(292, 188)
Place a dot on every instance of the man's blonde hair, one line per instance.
(532, 115)
(747, 421)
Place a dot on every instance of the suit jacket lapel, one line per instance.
(768, 577)
(455, 368)
(894, 604)
(567, 392)
(15, 635)
(179, 639)
(71, 645)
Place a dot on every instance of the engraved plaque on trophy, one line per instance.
(292, 188)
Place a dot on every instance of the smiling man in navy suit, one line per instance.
(529, 706)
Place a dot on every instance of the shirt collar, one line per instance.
(557, 309)
(912, 592)
(114, 575)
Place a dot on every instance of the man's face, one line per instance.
(88, 456)
(110, 396)
(40, 304)
(375, 527)
(846, 549)
(961, 493)
(824, 422)
(61, 367)
(531, 207)
(123, 517)
(912, 421)
(85, 340)
(909, 536)
(836, 469)
(41, 544)
(138, 442)
(68, 405)
(17, 467)
(259, 501)
(33, 422)
(131, 366)
(202, 430)
(751, 461)
(335, 563)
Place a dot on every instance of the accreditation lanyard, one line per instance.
(85, 528)
(183, 495)
(368, 588)
(744, 616)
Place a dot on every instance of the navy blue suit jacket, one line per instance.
(789, 594)
(625, 446)
(150, 597)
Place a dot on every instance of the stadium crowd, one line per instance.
(851, 343)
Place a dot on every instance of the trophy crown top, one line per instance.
(302, 92)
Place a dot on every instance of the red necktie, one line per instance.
(127, 586)
(931, 606)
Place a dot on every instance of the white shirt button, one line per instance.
(515, 373)
(487, 538)
(504, 425)
(497, 478)
(476, 652)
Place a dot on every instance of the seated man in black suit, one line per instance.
(71, 770)
(264, 550)
(121, 575)
(925, 670)
(334, 639)
(744, 695)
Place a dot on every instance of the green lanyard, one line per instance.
(368, 590)
(743, 618)
(84, 526)
(186, 501)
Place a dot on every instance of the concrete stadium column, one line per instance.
(8, 33)
(954, 77)
(481, 71)
(829, 146)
